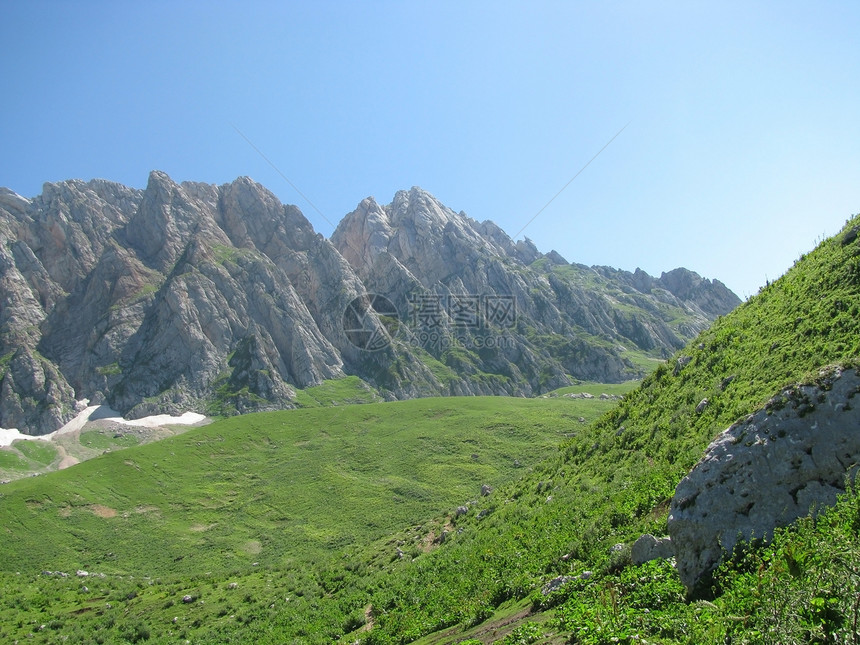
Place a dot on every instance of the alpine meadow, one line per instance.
(358, 518)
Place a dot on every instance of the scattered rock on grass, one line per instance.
(555, 584)
(648, 548)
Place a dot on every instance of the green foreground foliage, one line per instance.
(611, 481)
(802, 588)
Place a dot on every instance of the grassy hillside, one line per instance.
(275, 491)
(390, 577)
(275, 487)
(613, 481)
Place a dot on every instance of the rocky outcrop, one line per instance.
(221, 299)
(711, 296)
(33, 394)
(782, 462)
(679, 287)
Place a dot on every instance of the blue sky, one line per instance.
(742, 145)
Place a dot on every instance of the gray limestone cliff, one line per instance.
(221, 299)
(141, 298)
(415, 246)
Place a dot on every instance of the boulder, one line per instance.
(682, 362)
(850, 235)
(648, 548)
(559, 581)
(777, 465)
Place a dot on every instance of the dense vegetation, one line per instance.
(610, 482)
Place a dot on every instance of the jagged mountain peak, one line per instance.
(12, 201)
(426, 238)
(421, 208)
(166, 219)
(195, 296)
(415, 208)
(362, 235)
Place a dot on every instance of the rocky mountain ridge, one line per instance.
(220, 299)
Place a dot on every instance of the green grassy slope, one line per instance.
(25, 458)
(275, 487)
(614, 480)
(269, 492)
(611, 481)
(342, 391)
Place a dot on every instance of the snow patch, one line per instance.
(186, 419)
(96, 412)
(8, 435)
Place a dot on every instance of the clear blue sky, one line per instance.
(743, 143)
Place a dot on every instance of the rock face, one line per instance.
(766, 471)
(221, 299)
(417, 251)
(158, 300)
